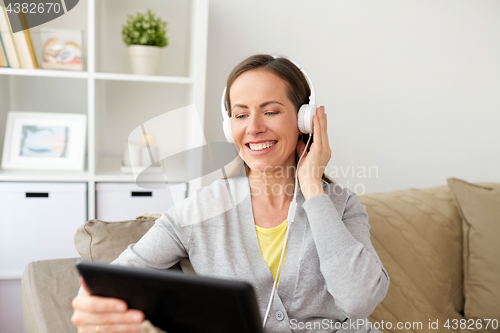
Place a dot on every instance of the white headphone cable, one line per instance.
(290, 217)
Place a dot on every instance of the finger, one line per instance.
(321, 136)
(96, 304)
(131, 317)
(326, 140)
(317, 129)
(133, 328)
(324, 129)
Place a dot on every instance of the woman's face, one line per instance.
(264, 121)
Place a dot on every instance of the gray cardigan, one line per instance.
(331, 274)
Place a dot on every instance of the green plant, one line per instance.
(145, 29)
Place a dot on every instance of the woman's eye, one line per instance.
(269, 113)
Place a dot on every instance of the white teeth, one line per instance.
(261, 146)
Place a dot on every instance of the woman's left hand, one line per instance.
(313, 164)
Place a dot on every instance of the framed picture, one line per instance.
(48, 141)
(62, 49)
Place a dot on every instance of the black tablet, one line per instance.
(177, 302)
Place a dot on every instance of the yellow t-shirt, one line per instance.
(271, 244)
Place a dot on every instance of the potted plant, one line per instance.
(145, 36)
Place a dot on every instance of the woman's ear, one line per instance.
(303, 137)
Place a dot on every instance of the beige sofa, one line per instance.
(438, 244)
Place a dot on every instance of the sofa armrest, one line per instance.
(48, 288)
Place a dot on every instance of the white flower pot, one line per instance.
(145, 59)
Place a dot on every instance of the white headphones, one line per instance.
(304, 118)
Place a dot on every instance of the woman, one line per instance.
(331, 272)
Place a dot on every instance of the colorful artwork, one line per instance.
(44, 141)
(62, 49)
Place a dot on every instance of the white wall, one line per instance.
(411, 88)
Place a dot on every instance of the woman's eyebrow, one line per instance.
(270, 102)
(239, 106)
(262, 105)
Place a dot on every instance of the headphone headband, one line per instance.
(312, 97)
(223, 105)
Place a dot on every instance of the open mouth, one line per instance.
(261, 146)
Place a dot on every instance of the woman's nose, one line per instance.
(255, 125)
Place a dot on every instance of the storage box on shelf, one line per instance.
(46, 217)
(121, 201)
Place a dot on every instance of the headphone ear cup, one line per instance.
(226, 126)
(305, 118)
(300, 118)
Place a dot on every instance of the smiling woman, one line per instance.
(330, 273)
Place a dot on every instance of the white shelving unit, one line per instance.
(114, 100)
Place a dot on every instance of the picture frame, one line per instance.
(62, 49)
(44, 141)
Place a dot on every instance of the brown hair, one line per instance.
(298, 90)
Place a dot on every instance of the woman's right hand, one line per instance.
(101, 314)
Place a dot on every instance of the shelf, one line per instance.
(98, 76)
(44, 73)
(108, 170)
(43, 176)
(143, 78)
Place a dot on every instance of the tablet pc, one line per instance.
(177, 302)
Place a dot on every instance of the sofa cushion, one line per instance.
(479, 206)
(104, 241)
(101, 241)
(418, 237)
